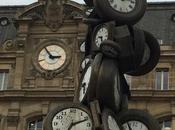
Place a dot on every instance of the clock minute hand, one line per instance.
(75, 123)
(50, 55)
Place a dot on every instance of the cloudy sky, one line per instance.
(25, 2)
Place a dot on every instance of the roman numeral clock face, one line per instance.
(123, 6)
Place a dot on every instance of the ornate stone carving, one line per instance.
(71, 12)
(49, 75)
(8, 45)
(20, 42)
(54, 14)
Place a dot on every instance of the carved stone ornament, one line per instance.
(54, 14)
(8, 45)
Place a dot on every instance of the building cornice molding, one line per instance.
(152, 95)
(39, 94)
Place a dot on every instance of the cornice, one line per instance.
(152, 95)
(35, 95)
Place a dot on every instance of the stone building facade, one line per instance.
(29, 92)
(155, 91)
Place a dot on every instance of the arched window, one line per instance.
(35, 124)
(166, 124)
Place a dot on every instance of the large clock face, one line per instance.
(72, 119)
(134, 125)
(52, 57)
(123, 6)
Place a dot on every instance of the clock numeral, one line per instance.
(86, 117)
(115, 6)
(88, 124)
(59, 117)
(55, 123)
(72, 110)
(81, 114)
(134, 124)
(63, 113)
(130, 6)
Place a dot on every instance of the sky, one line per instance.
(26, 2)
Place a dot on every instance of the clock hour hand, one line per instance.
(56, 57)
(101, 38)
(75, 123)
(129, 126)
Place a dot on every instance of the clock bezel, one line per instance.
(139, 115)
(47, 124)
(45, 43)
(106, 11)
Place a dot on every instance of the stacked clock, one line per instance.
(112, 48)
(116, 48)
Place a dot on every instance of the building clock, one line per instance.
(51, 56)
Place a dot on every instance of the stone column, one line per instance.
(20, 42)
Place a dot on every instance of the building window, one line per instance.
(35, 125)
(162, 79)
(165, 125)
(160, 41)
(3, 80)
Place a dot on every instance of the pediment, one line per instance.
(52, 12)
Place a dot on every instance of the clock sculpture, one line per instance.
(112, 48)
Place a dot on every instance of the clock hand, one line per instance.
(101, 38)
(50, 55)
(47, 51)
(75, 123)
(129, 126)
(41, 60)
(56, 57)
(69, 128)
